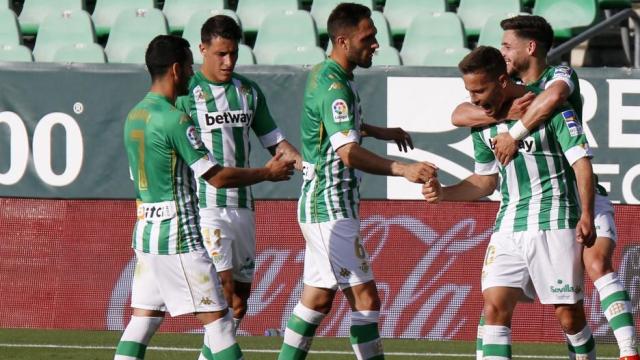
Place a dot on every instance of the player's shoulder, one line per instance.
(562, 71)
(244, 81)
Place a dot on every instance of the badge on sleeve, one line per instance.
(573, 124)
(340, 111)
(194, 137)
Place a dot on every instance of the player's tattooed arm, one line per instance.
(401, 137)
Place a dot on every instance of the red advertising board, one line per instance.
(68, 264)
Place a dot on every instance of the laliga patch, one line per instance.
(563, 71)
(194, 137)
(573, 124)
(340, 111)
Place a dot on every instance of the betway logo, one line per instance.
(526, 144)
(236, 118)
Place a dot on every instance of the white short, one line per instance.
(229, 235)
(548, 263)
(181, 283)
(334, 256)
(603, 218)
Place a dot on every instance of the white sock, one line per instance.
(496, 342)
(301, 329)
(134, 340)
(581, 345)
(616, 306)
(365, 337)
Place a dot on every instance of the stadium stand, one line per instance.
(17, 53)
(35, 11)
(178, 12)
(384, 33)
(80, 53)
(491, 32)
(301, 55)
(245, 55)
(133, 29)
(107, 11)
(448, 56)
(431, 31)
(386, 56)
(253, 12)
(583, 13)
(56, 30)
(9, 28)
(400, 13)
(474, 13)
(194, 24)
(320, 11)
(275, 34)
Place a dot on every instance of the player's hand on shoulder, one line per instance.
(506, 147)
(432, 191)
(279, 168)
(520, 105)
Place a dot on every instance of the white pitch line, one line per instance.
(321, 352)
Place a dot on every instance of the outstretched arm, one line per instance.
(276, 169)
(355, 156)
(401, 137)
(469, 115)
(472, 188)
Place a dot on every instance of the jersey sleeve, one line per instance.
(485, 159)
(565, 74)
(566, 128)
(338, 116)
(263, 124)
(185, 140)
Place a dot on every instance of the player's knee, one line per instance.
(496, 314)
(571, 317)
(598, 266)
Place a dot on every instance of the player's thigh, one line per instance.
(145, 291)
(505, 266)
(189, 283)
(555, 266)
(218, 234)
(243, 244)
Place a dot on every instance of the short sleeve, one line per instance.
(565, 74)
(485, 160)
(566, 127)
(263, 124)
(337, 110)
(185, 139)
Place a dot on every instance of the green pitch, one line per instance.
(21, 344)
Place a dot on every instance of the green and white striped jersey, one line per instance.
(224, 113)
(538, 186)
(331, 118)
(165, 152)
(567, 75)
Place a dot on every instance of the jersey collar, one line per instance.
(335, 66)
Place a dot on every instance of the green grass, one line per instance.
(23, 344)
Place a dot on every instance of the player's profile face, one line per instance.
(515, 52)
(362, 44)
(485, 91)
(219, 58)
(186, 72)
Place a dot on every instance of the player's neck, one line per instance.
(535, 70)
(341, 59)
(165, 89)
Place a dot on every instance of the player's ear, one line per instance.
(531, 47)
(503, 80)
(175, 70)
(202, 48)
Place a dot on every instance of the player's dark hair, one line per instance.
(164, 51)
(531, 27)
(346, 16)
(220, 26)
(483, 59)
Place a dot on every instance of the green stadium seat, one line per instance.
(384, 33)
(614, 4)
(178, 12)
(429, 31)
(474, 13)
(135, 55)
(276, 34)
(253, 12)
(192, 29)
(528, 3)
(386, 56)
(453, 4)
(34, 11)
(443, 56)
(301, 55)
(400, 13)
(134, 28)
(80, 53)
(245, 55)
(567, 17)
(15, 53)
(56, 30)
(106, 12)
(9, 28)
(491, 32)
(321, 9)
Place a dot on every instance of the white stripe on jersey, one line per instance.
(536, 189)
(228, 142)
(138, 243)
(344, 186)
(328, 196)
(154, 237)
(508, 218)
(244, 104)
(555, 189)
